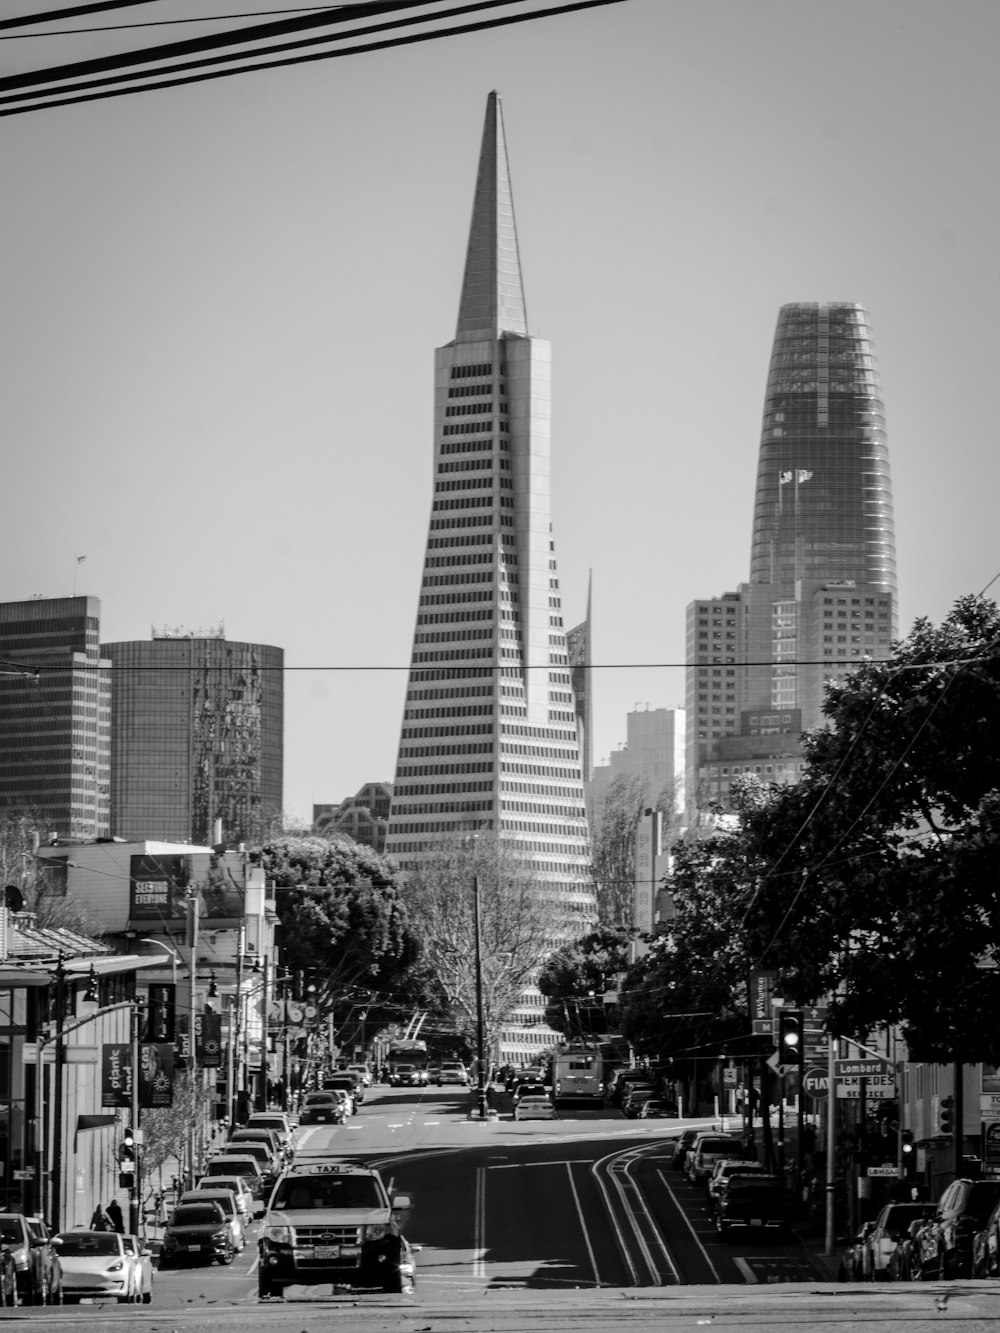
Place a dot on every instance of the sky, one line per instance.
(220, 305)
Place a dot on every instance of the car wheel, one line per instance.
(226, 1257)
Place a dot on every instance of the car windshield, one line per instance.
(221, 1167)
(716, 1145)
(328, 1192)
(196, 1215)
(11, 1233)
(100, 1243)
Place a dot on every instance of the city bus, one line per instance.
(578, 1074)
(406, 1063)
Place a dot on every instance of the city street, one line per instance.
(582, 1222)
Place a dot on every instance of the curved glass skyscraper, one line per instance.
(822, 589)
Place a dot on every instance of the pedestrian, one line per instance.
(114, 1212)
(100, 1220)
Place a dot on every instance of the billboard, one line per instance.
(116, 1074)
(160, 885)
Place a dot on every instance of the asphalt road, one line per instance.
(579, 1223)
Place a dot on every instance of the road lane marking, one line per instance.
(609, 1208)
(520, 1166)
(479, 1226)
(689, 1225)
(583, 1224)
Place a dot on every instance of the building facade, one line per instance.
(822, 590)
(55, 715)
(489, 739)
(197, 727)
(363, 816)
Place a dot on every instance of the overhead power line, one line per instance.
(48, 88)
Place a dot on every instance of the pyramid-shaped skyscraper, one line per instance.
(489, 738)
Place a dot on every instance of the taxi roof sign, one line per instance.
(326, 1168)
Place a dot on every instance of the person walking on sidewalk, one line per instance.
(114, 1211)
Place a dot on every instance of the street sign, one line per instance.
(783, 1071)
(886, 1171)
(862, 1068)
(728, 1077)
(25, 1173)
(878, 1088)
(816, 1082)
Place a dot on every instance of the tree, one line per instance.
(574, 980)
(40, 887)
(519, 925)
(613, 849)
(343, 920)
(875, 880)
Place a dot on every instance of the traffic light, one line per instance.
(790, 1036)
(126, 1160)
(946, 1116)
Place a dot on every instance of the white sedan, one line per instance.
(95, 1264)
(534, 1108)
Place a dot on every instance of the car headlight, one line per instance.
(116, 1266)
(377, 1231)
(220, 1235)
(280, 1235)
(20, 1256)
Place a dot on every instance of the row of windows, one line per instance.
(538, 770)
(460, 521)
(471, 427)
(461, 692)
(446, 807)
(574, 812)
(454, 673)
(539, 751)
(473, 390)
(451, 710)
(469, 409)
(455, 729)
(440, 771)
(484, 464)
(472, 539)
(433, 751)
(472, 372)
(407, 788)
(466, 577)
(455, 617)
(470, 446)
(452, 654)
(456, 598)
(456, 636)
(464, 484)
(465, 502)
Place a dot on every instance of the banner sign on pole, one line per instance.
(116, 1074)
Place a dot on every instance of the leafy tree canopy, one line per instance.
(575, 978)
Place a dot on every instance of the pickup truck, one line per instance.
(751, 1201)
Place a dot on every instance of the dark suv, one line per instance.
(944, 1243)
(39, 1276)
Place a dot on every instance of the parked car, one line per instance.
(852, 1262)
(363, 1071)
(240, 1189)
(986, 1247)
(622, 1080)
(226, 1200)
(658, 1108)
(756, 1199)
(890, 1227)
(142, 1269)
(198, 1232)
(903, 1263)
(705, 1152)
(636, 1097)
(348, 1082)
(94, 1263)
(231, 1164)
(268, 1138)
(730, 1166)
(276, 1120)
(537, 1106)
(35, 1260)
(682, 1146)
(944, 1242)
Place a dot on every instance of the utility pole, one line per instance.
(135, 1191)
(481, 1103)
(55, 1178)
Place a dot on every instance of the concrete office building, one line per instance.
(197, 738)
(55, 716)
(822, 589)
(489, 737)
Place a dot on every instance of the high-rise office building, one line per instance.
(197, 738)
(489, 738)
(55, 715)
(822, 589)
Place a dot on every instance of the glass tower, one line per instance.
(489, 737)
(822, 590)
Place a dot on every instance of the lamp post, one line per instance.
(482, 1107)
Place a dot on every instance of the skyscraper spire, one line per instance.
(492, 302)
